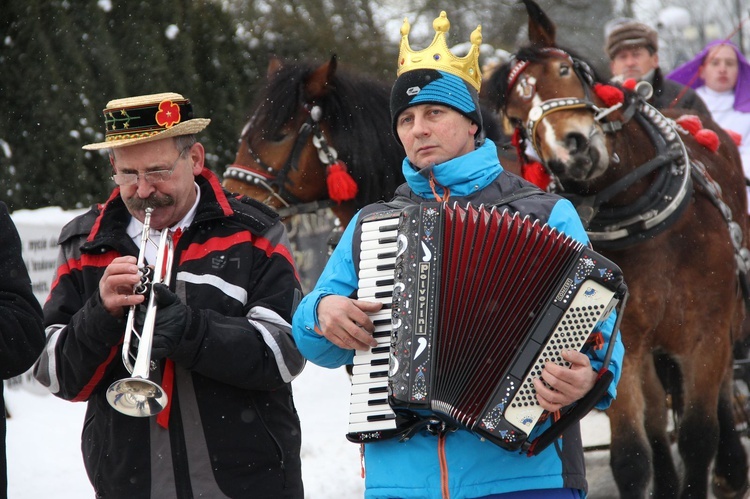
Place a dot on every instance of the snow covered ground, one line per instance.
(44, 457)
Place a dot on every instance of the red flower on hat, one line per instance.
(168, 115)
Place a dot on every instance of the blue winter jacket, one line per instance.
(475, 467)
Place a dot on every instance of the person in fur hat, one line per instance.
(633, 51)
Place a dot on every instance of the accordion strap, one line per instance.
(401, 202)
(575, 414)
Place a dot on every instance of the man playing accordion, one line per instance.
(435, 113)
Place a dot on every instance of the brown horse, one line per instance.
(307, 117)
(671, 213)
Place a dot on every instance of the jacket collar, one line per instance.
(463, 175)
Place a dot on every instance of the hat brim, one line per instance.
(188, 127)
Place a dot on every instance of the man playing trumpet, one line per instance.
(222, 355)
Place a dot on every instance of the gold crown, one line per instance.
(438, 56)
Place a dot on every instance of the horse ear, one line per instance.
(317, 84)
(541, 29)
(274, 65)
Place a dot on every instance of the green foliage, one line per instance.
(60, 65)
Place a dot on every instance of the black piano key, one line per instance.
(378, 389)
(389, 254)
(383, 349)
(390, 266)
(384, 282)
(379, 362)
(381, 417)
(387, 240)
(381, 334)
(377, 402)
(388, 228)
(383, 294)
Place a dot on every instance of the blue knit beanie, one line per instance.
(430, 86)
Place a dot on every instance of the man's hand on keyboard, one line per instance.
(344, 322)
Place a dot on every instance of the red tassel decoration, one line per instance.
(341, 185)
(609, 95)
(708, 138)
(690, 122)
(736, 137)
(535, 173)
(629, 84)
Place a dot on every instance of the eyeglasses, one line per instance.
(152, 177)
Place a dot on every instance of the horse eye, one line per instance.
(564, 70)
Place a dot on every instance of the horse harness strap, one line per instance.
(617, 227)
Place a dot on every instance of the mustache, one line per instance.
(140, 204)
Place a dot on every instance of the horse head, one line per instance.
(312, 121)
(558, 104)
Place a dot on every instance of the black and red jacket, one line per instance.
(233, 430)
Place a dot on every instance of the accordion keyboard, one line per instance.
(369, 410)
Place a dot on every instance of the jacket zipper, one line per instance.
(279, 449)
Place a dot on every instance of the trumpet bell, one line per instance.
(137, 397)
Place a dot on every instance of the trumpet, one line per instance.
(138, 396)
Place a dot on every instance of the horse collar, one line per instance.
(660, 206)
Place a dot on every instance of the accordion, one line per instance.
(475, 301)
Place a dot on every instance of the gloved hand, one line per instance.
(171, 321)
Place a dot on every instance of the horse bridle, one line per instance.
(547, 107)
(668, 196)
(274, 181)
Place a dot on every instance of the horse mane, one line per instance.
(356, 112)
(497, 83)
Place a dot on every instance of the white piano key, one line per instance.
(370, 406)
(369, 357)
(380, 384)
(371, 264)
(377, 225)
(380, 236)
(369, 369)
(382, 251)
(362, 417)
(370, 244)
(386, 424)
(365, 378)
(377, 292)
(374, 272)
(377, 282)
(359, 402)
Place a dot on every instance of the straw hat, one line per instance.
(145, 118)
